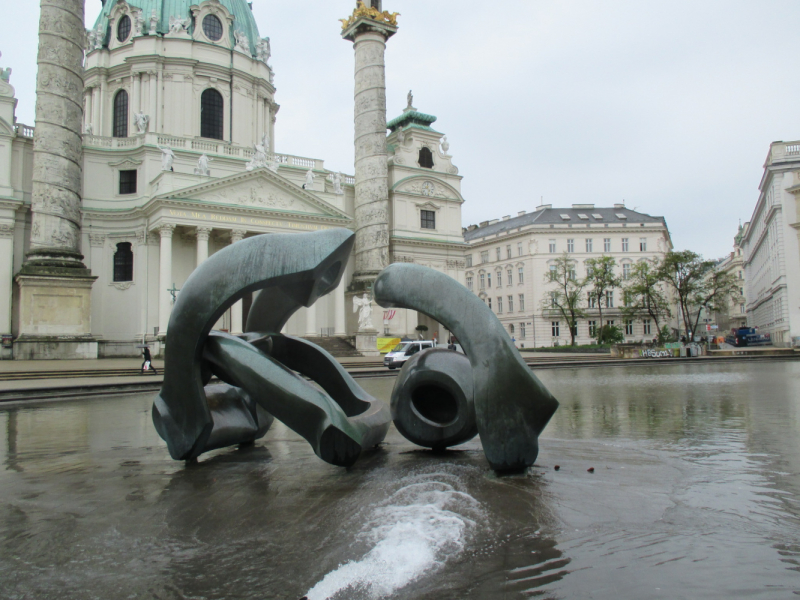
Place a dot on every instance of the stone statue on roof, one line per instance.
(410, 98)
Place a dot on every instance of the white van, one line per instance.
(405, 350)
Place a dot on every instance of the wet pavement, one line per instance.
(694, 494)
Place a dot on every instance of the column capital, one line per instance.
(203, 233)
(237, 235)
(166, 230)
(97, 240)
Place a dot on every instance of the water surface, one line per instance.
(694, 494)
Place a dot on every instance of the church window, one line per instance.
(124, 28)
(425, 158)
(121, 114)
(520, 275)
(484, 256)
(469, 283)
(468, 259)
(212, 27)
(123, 262)
(522, 302)
(211, 114)
(127, 182)
(428, 219)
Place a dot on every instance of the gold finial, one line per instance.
(370, 13)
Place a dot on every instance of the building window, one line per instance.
(553, 272)
(606, 244)
(497, 253)
(469, 283)
(624, 244)
(522, 331)
(508, 272)
(121, 114)
(628, 327)
(627, 298)
(555, 327)
(123, 262)
(124, 28)
(212, 110)
(553, 299)
(591, 300)
(589, 244)
(521, 302)
(499, 304)
(483, 284)
(519, 248)
(468, 259)
(127, 182)
(592, 329)
(489, 300)
(626, 270)
(646, 326)
(488, 280)
(552, 246)
(485, 256)
(428, 219)
(212, 27)
(610, 299)
(511, 304)
(499, 279)
(511, 329)
(642, 244)
(740, 275)
(508, 251)
(741, 309)
(425, 158)
(610, 323)
(570, 245)
(520, 277)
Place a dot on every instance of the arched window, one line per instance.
(121, 114)
(211, 114)
(426, 158)
(123, 262)
(124, 28)
(212, 27)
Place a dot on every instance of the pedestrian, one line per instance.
(147, 365)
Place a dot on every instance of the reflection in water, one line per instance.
(694, 494)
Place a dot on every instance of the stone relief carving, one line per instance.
(263, 50)
(453, 170)
(242, 42)
(425, 188)
(6, 230)
(138, 22)
(309, 184)
(142, 121)
(91, 38)
(202, 166)
(259, 158)
(99, 37)
(456, 264)
(257, 194)
(399, 258)
(122, 285)
(153, 23)
(445, 146)
(167, 158)
(97, 240)
(336, 179)
(177, 26)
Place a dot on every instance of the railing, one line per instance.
(23, 130)
(327, 331)
(793, 150)
(202, 145)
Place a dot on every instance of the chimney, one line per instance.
(506, 218)
(520, 213)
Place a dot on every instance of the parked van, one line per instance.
(405, 350)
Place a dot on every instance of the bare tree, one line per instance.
(564, 298)
(644, 293)
(601, 280)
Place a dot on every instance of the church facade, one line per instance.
(179, 161)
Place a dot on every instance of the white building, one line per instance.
(509, 261)
(735, 314)
(771, 249)
(179, 161)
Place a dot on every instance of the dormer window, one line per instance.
(597, 216)
(212, 27)
(425, 158)
(124, 28)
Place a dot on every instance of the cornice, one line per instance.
(428, 243)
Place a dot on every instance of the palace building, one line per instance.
(179, 160)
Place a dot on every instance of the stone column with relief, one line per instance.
(369, 28)
(55, 285)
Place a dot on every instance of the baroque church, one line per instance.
(179, 160)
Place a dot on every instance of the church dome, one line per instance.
(244, 20)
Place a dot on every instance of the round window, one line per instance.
(212, 27)
(124, 28)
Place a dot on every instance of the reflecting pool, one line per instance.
(694, 494)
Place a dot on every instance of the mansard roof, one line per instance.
(578, 215)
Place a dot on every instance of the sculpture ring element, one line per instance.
(512, 406)
(291, 270)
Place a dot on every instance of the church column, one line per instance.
(339, 325)
(101, 113)
(88, 114)
(159, 119)
(135, 100)
(236, 309)
(6, 274)
(96, 110)
(203, 234)
(165, 277)
(369, 32)
(151, 108)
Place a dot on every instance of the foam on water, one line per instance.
(415, 531)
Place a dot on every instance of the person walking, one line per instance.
(147, 364)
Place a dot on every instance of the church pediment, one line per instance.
(427, 187)
(258, 189)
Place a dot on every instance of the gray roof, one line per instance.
(547, 216)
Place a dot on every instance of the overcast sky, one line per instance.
(667, 105)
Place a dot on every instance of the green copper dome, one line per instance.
(240, 9)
